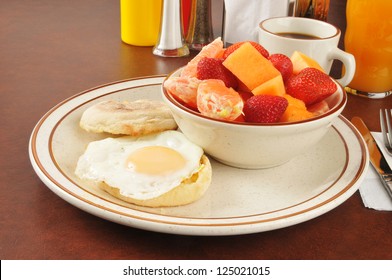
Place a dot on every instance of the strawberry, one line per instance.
(264, 108)
(283, 64)
(235, 46)
(310, 85)
(212, 68)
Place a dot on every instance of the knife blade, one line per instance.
(377, 159)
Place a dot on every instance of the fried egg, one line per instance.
(143, 167)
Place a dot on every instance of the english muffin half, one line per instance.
(135, 118)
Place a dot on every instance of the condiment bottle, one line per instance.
(200, 31)
(140, 21)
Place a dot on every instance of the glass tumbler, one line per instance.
(369, 38)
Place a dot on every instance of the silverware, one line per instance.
(377, 159)
(386, 128)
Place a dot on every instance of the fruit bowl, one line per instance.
(253, 145)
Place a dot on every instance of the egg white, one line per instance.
(105, 161)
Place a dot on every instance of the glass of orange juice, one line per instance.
(369, 38)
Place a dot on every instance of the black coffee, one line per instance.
(298, 35)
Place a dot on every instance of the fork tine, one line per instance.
(389, 126)
(383, 127)
(386, 128)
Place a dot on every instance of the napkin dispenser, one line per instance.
(242, 17)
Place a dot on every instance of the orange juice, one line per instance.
(369, 38)
(140, 21)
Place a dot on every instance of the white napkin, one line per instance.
(372, 191)
(242, 17)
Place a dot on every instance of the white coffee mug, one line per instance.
(319, 41)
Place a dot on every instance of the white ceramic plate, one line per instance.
(237, 202)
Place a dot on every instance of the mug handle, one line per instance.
(348, 61)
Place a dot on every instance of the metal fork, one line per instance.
(386, 128)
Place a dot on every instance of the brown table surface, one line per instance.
(51, 50)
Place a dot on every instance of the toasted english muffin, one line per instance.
(190, 190)
(136, 118)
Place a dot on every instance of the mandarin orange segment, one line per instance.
(184, 89)
(217, 101)
(319, 108)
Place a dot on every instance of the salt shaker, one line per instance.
(171, 41)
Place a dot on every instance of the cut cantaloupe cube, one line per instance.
(274, 86)
(294, 114)
(250, 66)
(301, 61)
(295, 111)
(295, 101)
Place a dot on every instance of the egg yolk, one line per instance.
(155, 160)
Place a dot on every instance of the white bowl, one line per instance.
(249, 145)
